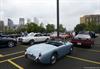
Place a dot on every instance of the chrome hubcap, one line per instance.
(10, 44)
(53, 59)
(31, 42)
(71, 49)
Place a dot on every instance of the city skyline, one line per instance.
(45, 10)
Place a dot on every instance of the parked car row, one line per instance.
(50, 51)
(47, 53)
(62, 36)
(82, 38)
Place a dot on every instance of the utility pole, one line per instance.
(58, 18)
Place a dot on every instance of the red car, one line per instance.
(83, 40)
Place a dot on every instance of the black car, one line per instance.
(7, 41)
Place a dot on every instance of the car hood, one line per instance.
(24, 37)
(9, 38)
(40, 48)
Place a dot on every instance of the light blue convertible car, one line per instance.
(49, 52)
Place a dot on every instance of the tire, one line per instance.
(11, 44)
(31, 42)
(91, 46)
(53, 59)
(47, 40)
(70, 51)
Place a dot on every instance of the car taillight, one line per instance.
(87, 39)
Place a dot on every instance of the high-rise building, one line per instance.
(10, 24)
(90, 19)
(36, 20)
(21, 21)
(28, 20)
(1, 25)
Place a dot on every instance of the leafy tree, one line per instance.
(61, 28)
(32, 27)
(41, 28)
(91, 26)
(50, 28)
(80, 27)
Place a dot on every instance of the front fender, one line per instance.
(46, 58)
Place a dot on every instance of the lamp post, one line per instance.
(58, 18)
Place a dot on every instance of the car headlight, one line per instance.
(40, 55)
(25, 51)
(20, 39)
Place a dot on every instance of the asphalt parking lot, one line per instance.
(82, 58)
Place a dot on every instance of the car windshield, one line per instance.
(86, 33)
(55, 43)
(82, 36)
(31, 34)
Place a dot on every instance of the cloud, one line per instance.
(45, 10)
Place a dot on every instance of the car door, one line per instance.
(37, 37)
(63, 50)
(43, 38)
(2, 40)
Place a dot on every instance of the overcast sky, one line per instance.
(45, 10)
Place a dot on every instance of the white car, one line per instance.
(31, 38)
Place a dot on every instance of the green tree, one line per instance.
(98, 28)
(91, 26)
(50, 28)
(32, 27)
(61, 28)
(41, 28)
(80, 27)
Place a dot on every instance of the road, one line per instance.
(82, 58)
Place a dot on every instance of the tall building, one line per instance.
(28, 20)
(36, 20)
(90, 18)
(10, 24)
(1, 26)
(21, 21)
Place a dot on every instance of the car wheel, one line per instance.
(47, 40)
(91, 46)
(71, 50)
(53, 59)
(31, 42)
(11, 44)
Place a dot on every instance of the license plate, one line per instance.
(79, 44)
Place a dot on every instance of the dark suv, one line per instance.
(7, 41)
